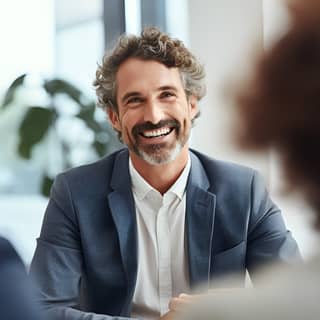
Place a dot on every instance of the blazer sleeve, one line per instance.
(15, 290)
(57, 264)
(269, 241)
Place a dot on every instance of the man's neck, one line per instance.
(161, 176)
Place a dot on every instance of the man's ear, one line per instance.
(114, 119)
(194, 108)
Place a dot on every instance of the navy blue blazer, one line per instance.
(86, 255)
(15, 290)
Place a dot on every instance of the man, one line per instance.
(122, 236)
(15, 300)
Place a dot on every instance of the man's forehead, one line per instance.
(136, 74)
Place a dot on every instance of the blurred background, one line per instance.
(49, 53)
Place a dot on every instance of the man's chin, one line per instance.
(157, 155)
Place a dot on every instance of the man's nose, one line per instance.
(153, 112)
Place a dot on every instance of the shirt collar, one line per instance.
(141, 187)
(179, 187)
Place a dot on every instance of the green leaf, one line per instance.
(33, 128)
(46, 185)
(87, 113)
(56, 86)
(9, 95)
(100, 148)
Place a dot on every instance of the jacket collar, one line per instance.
(200, 211)
(122, 209)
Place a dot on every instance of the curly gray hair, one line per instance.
(151, 45)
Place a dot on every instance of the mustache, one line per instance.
(138, 128)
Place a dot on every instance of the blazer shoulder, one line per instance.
(94, 170)
(95, 176)
(219, 169)
(229, 178)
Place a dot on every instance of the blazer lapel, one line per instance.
(200, 212)
(122, 208)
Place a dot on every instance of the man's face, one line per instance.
(154, 114)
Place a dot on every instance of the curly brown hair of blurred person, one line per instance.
(280, 107)
(155, 45)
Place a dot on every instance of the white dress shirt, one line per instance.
(162, 257)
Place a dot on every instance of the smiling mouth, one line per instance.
(149, 134)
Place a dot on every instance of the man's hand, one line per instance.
(184, 300)
(179, 303)
(170, 315)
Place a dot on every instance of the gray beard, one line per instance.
(160, 158)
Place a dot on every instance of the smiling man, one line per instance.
(124, 236)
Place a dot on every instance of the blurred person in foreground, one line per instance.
(16, 301)
(124, 235)
(279, 109)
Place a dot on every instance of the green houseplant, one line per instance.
(39, 120)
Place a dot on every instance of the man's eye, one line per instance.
(134, 100)
(167, 94)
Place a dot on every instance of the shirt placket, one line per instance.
(163, 242)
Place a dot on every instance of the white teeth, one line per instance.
(156, 133)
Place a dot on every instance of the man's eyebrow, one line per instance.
(130, 94)
(173, 88)
(138, 94)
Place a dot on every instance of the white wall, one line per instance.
(26, 38)
(79, 41)
(222, 33)
(27, 46)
